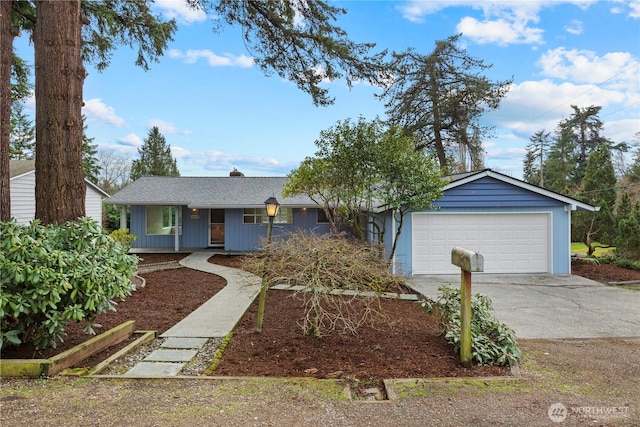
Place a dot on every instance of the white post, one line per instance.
(123, 217)
(176, 227)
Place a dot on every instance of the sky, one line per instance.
(218, 111)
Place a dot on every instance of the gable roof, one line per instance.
(18, 168)
(207, 192)
(251, 192)
(457, 180)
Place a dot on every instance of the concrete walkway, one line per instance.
(216, 318)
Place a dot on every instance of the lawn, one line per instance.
(601, 250)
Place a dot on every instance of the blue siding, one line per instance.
(238, 236)
(487, 195)
(246, 237)
(489, 192)
(195, 228)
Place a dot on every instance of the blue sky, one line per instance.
(218, 111)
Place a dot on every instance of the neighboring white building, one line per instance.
(23, 193)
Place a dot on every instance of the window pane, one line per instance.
(161, 220)
(322, 216)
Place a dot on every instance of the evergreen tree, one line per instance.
(625, 208)
(155, 157)
(89, 159)
(533, 171)
(628, 241)
(558, 168)
(576, 139)
(89, 31)
(598, 188)
(22, 140)
(633, 173)
(298, 40)
(440, 97)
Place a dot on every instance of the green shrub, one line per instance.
(123, 237)
(493, 343)
(50, 275)
(614, 259)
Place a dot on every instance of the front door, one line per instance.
(216, 227)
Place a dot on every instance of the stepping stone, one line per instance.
(155, 369)
(171, 355)
(175, 342)
(409, 297)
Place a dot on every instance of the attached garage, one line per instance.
(518, 227)
(509, 242)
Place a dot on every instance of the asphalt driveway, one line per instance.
(550, 306)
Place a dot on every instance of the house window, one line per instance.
(161, 220)
(322, 216)
(259, 216)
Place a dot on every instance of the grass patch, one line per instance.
(600, 249)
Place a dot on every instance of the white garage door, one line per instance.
(510, 243)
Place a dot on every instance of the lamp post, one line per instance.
(272, 206)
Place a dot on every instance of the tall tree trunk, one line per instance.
(437, 123)
(7, 33)
(59, 77)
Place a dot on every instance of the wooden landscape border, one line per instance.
(35, 368)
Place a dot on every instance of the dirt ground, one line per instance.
(395, 346)
(564, 383)
(159, 305)
(584, 382)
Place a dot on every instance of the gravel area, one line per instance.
(195, 367)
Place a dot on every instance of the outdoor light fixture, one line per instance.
(272, 206)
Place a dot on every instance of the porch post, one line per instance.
(176, 227)
(123, 217)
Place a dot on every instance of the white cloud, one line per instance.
(621, 8)
(96, 110)
(227, 60)
(634, 9)
(167, 127)
(574, 27)
(222, 163)
(130, 140)
(180, 11)
(535, 105)
(503, 22)
(509, 153)
(30, 102)
(585, 66)
(179, 152)
(500, 31)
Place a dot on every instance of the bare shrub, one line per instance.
(342, 278)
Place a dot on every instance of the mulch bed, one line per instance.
(168, 297)
(404, 344)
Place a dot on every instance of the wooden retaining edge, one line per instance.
(627, 282)
(145, 338)
(48, 367)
